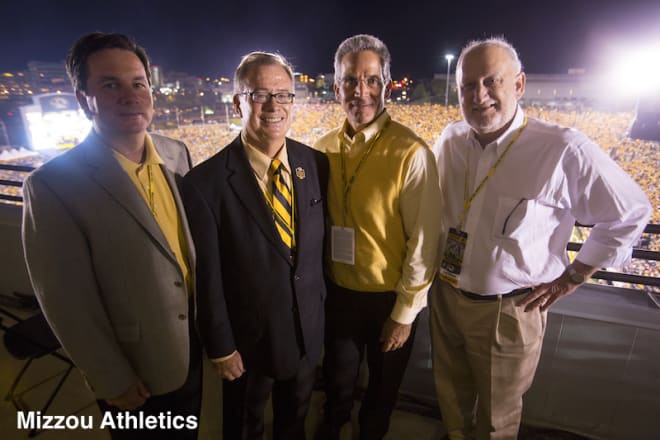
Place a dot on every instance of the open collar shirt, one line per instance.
(519, 224)
(419, 212)
(148, 178)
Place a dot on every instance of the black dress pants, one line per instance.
(244, 401)
(354, 321)
(185, 401)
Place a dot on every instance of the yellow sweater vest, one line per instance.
(373, 205)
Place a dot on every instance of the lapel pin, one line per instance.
(300, 173)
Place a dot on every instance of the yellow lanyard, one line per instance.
(348, 184)
(467, 201)
(149, 190)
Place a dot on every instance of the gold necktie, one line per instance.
(282, 205)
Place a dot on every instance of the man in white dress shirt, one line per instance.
(513, 187)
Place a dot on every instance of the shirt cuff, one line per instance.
(404, 313)
(224, 358)
(596, 255)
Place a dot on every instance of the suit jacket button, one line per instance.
(178, 283)
(297, 277)
(182, 317)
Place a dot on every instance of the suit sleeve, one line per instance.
(212, 316)
(64, 280)
(189, 162)
(323, 169)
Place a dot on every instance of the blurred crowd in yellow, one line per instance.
(609, 130)
(638, 158)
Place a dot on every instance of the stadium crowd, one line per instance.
(609, 130)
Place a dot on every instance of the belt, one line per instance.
(478, 297)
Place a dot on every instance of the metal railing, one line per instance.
(641, 254)
(14, 183)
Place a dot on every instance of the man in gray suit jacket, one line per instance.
(108, 248)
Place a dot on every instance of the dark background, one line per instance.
(208, 37)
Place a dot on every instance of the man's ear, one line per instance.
(520, 85)
(335, 87)
(82, 101)
(237, 105)
(388, 89)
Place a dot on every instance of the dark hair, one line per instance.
(76, 60)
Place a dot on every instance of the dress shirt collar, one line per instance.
(151, 156)
(260, 162)
(366, 134)
(502, 141)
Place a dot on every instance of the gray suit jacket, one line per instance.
(105, 276)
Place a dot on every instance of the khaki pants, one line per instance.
(485, 354)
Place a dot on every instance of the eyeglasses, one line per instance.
(351, 83)
(491, 83)
(264, 97)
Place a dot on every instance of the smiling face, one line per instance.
(489, 90)
(118, 94)
(265, 124)
(360, 89)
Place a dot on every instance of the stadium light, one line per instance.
(634, 72)
(449, 57)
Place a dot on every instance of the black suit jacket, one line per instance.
(252, 297)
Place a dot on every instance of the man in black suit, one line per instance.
(256, 211)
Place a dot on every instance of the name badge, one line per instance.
(342, 247)
(452, 260)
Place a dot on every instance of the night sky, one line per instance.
(208, 37)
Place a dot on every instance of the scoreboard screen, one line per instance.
(55, 121)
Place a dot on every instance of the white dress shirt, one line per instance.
(520, 222)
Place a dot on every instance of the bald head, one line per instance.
(490, 83)
(494, 42)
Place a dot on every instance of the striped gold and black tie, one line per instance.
(282, 205)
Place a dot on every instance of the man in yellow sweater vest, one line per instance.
(385, 222)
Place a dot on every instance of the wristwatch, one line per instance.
(575, 276)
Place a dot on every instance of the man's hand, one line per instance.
(394, 335)
(133, 398)
(545, 295)
(230, 368)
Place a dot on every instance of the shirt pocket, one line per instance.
(514, 218)
(513, 230)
